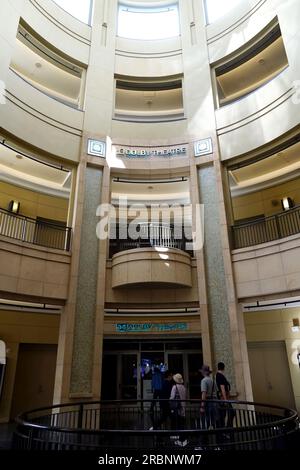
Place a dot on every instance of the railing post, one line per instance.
(23, 236)
(278, 226)
(80, 416)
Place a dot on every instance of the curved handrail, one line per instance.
(22, 418)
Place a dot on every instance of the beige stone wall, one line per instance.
(22, 327)
(34, 271)
(275, 325)
(260, 202)
(34, 204)
(148, 266)
(268, 269)
(151, 295)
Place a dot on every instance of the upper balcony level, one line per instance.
(156, 257)
(34, 259)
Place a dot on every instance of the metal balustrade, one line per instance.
(148, 235)
(268, 229)
(121, 425)
(34, 231)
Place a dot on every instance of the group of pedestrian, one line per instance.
(172, 394)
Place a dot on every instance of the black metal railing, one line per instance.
(148, 235)
(121, 425)
(34, 231)
(268, 229)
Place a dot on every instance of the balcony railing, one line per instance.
(148, 235)
(34, 231)
(268, 229)
(121, 425)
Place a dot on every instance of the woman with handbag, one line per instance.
(177, 406)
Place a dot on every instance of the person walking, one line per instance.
(177, 405)
(223, 388)
(208, 409)
(164, 401)
(157, 384)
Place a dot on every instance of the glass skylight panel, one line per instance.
(81, 9)
(148, 23)
(215, 9)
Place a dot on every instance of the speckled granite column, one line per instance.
(83, 346)
(215, 272)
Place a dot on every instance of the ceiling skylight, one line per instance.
(215, 9)
(81, 9)
(148, 23)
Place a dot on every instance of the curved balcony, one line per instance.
(26, 229)
(122, 425)
(154, 256)
(268, 229)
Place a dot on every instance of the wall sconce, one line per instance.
(296, 326)
(14, 207)
(287, 203)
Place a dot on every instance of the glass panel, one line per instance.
(148, 23)
(129, 377)
(215, 9)
(80, 9)
(175, 363)
(194, 364)
(149, 361)
(109, 377)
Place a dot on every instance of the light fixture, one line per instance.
(287, 203)
(14, 207)
(19, 157)
(296, 325)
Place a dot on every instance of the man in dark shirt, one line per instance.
(223, 387)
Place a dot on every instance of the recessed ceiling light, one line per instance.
(19, 156)
(261, 61)
(150, 187)
(38, 65)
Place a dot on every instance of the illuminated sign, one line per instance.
(148, 153)
(150, 327)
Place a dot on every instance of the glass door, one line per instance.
(128, 377)
(194, 362)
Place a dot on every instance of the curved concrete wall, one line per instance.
(32, 271)
(151, 266)
(270, 111)
(268, 269)
(149, 58)
(41, 120)
(59, 28)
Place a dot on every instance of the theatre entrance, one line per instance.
(128, 366)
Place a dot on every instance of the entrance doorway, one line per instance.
(128, 366)
(270, 374)
(34, 380)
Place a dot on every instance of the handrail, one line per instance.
(98, 425)
(21, 418)
(27, 229)
(150, 234)
(267, 229)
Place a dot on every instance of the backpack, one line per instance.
(175, 404)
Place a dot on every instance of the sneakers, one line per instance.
(181, 443)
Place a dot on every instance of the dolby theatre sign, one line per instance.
(143, 152)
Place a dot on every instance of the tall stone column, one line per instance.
(222, 323)
(227, 330)
(74, 374)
